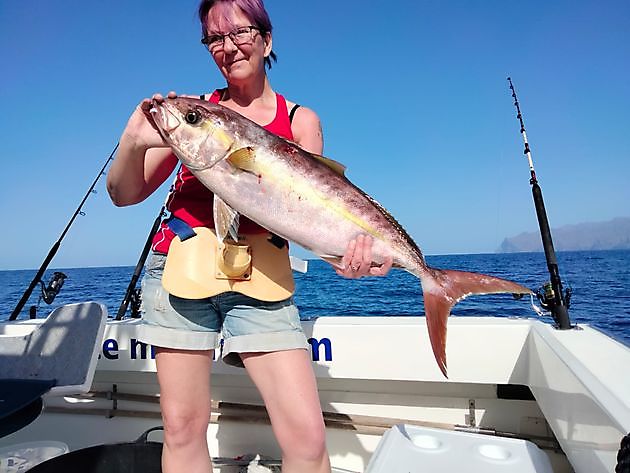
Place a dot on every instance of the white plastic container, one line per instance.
(23, 456)
(411, 449)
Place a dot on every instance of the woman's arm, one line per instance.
(307, 130)
(143, 161)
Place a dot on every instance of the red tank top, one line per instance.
(191, 201)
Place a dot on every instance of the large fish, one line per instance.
(304, 198)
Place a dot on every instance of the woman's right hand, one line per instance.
(143, 161)
(141, 129)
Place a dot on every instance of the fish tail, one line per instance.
(443, 288)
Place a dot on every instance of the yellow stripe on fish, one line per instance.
(245, 160)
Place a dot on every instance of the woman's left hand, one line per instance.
(357, 262)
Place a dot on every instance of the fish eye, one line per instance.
(192, 117)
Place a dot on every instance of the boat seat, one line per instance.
(58, 357)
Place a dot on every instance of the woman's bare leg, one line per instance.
(287, 384)
(184, 377)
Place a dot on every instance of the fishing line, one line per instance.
(551, 295)
(38, 276)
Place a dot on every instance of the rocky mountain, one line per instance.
(611, 235)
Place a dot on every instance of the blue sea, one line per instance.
(599, 280)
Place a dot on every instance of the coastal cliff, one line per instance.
(611, 235)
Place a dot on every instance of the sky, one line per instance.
(412, 96)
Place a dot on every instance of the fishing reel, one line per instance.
(135, 301)
(547, 296)
(54, 286)
(48, 292)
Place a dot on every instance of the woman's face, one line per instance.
(238, 63)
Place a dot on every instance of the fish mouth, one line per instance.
(166, 120)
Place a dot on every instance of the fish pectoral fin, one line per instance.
(244, 159)
(331, 163)
(334, 261)
(226, 220)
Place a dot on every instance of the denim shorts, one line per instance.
(232, 321)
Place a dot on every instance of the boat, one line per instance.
(521, 396)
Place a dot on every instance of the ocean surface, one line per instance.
(599, 280)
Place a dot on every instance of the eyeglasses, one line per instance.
(239, 36)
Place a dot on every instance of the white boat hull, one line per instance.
(374, 372)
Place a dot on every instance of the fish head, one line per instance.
(196, 130)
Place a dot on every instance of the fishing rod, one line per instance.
(56, 284)
(132, 295)
(551, 295)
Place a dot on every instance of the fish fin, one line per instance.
(443, 288)
(334, 261)
(331, 163)
(226, 220)
(244, 159)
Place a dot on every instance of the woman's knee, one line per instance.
(307, 442)
(314, 450)
(183, 426)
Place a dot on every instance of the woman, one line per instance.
(185, 332)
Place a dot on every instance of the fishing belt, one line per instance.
(198, 266)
